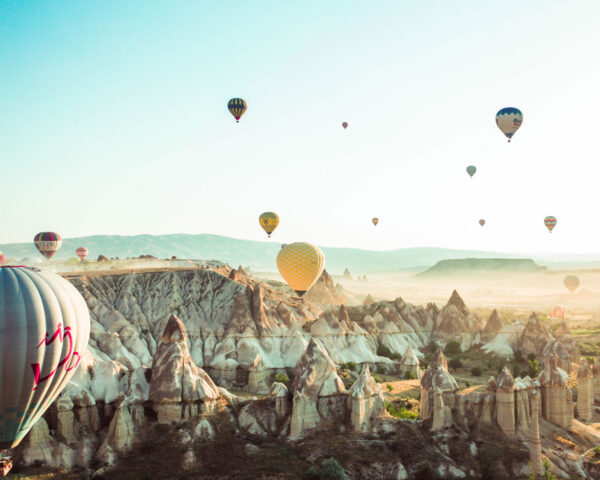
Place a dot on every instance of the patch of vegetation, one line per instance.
(384, 351)
(477, 371)
(519, 358)
(489, 455)
(455, 363)
(596, 452)
(399, 410)
(500, 364)
(534, 368)
(467, 384)
(431, 347)
(591, 360)
(531, 356)
(330, 469)
(426, 359)
(409, 375)
(389, 387)
(377, 378)
(515, 369)
(348, 366)
(381, 370)
(588, 349)
(452, 348)
(282, 378)
(548, 471)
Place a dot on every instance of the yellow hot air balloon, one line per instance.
(300, 265)
(268, 221)
(375, 221)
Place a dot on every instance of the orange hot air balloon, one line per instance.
(375, 221)
(345, 125)
(571, 282)
(482, 222)
(557, 311)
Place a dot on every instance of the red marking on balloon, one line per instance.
(65, 361)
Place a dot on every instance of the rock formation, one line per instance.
(492, 327)
(347, 275)
(317, 390)
(368, 300)
(585, 391)
(505, 402)
(410, 363)
(534, 337)
(366, 401)
(455, 322)
(437, 377)
(533, 437)
(557, 403)
(323, 291)
(555, 347)
(596, 370)
(177, 382)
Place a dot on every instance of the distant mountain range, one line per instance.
(261, 255)
(484, 265)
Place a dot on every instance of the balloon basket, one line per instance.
(5, 465)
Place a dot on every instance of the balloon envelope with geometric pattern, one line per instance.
(300, 264)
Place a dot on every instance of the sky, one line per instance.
(113, 120)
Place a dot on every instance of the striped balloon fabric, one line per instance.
(47, 243)
(237, 107)
(550, 223)
(509, 120)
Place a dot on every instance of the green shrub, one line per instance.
(477, 371)
(330, 469)
(591, 360)
(282, 378)
(515, 369)
(381, 370)
(349, 366)
(531, 356)
(431, 347)
(409, 375)
(389, 387)
(467, 384)
(384, 351)
(377, 378)
(548, 470)
(596, 451)
(519, 356)
(452, 348)
(400, 411)
(455, 363)
(500, 364)
(534, 368)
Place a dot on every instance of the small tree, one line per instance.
(452, 348)
(377, 378)
(431, 347)
(330, 469)
(531, 356)
(476, 371)
(409, 375)
(519, 356)
(389, 387)
(282, 378)
(534, 368)
(455, 364)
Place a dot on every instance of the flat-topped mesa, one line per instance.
(455, 322)
(505, 402)
(410, 363)
(437, 377)
(555, 347)
(585, 391)
(366, 400)
(557, 402)
(534, 337)
(318, 392)
(492, 327)
(178, 386)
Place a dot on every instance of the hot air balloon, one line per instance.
(375, 221)
(509, 120)
(237, 107)
(45, 328)
(557, 311)
(2, 258)
(300, 264)
(81, 253)
(471, 170)
(571, 282)
(550, 223)
(268, 221)
(482, 222)
(345, 125)
(47, 243)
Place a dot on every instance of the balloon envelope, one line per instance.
(268, 221)
(345, 125)
(300, 264)
(47, 243)
(471, 170)
(237, 107)
(375, 221)
(550, 223)
(2, 259)
(509, 120)
(482, 222)
(44, 331)
(571, 282)
(557, 311)
(82, 252)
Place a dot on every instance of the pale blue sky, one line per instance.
(113, 120)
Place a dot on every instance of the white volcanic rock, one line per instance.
(492, 327)
(533, 437)
(410, 363)
(505, 402)
(555, 347)
(282, 398)
(120, 431)
(585, 391)
(39, 446)
(323, 291)
(175, 377)
(455, 322)
(557, 402)
(437, 377)
(366, 400)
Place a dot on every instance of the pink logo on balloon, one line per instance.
(65, 361)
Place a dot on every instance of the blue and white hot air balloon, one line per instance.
(509, 120)
(44, 331)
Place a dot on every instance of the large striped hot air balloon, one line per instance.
(47, 243)
(471, 170)
(300, 265)
(237, 107)
(82, 252)
(509, 120)
(571, 282)
(550, 223)
(268, 221)
(44, 331)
